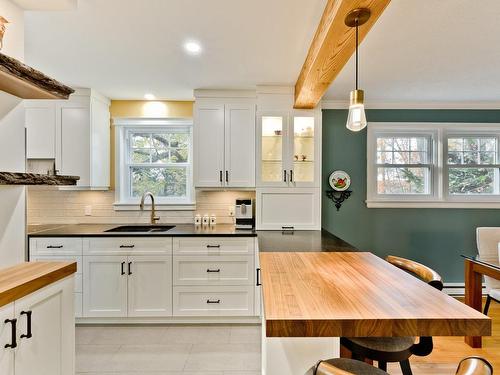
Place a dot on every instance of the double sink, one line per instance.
(140, 228)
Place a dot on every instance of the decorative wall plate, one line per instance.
(339, 180)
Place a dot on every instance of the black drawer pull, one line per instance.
(130, 268)
(213, 246)
(28, 334)
(13, 343)
(217, 270)
(123, 266)
(210, 301)
(258, 283)
(127, 246)
(55, 246)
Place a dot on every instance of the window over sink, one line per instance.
(418, 165)
(154, 155)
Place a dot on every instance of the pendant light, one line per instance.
(356, 120)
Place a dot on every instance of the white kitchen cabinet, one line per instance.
(6, 353)
(75, 133)
(224, 142)
(48, 315)
(40, 129)
(288, 208)
(105, 286)
(149, 285)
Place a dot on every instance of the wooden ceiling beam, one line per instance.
(331, 48)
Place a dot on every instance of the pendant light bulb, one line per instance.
(356, 119)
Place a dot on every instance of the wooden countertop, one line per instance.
(25, 278)
(356, 294)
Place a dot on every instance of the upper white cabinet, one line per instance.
(74, 132)
(288, 149)
(224, 143)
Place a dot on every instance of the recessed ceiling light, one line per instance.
(192, 47)
(149, 97)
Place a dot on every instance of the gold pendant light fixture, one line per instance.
(356, 120)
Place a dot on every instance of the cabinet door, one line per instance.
(273, 164)
(104, 286)
(209, 145)
(149, 285)
(239, 145)
(294, 208)
(74, 157)
(50, 349)
(6, 354)
(304, 149)
(40, 130)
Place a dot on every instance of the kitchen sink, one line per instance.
(141, 228)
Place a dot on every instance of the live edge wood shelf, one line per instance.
(25, 82)
(25, 278)
(10, 178)
(356, 295)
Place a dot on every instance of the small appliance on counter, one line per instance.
(244, 214)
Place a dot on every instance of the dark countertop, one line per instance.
(269, 241)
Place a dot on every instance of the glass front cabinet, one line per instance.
(288, 145)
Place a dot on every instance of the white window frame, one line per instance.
(439, 196)
(123, 201)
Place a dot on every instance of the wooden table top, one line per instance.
(25, 278)
(356, 294)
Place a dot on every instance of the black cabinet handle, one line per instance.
(130, 268)
(227, 177)
(220, 176)
(284, 176)
(210, 301)
(127, 246)
(28, 324)
(213, 246)
(214, 271)
(13, 343)
(258, 283)
(291, 175)
(55, 246)
(123, 266)
(287, 230)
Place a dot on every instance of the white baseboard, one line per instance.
(457, 289)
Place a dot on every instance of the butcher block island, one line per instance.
(312, 299)
(37, 326)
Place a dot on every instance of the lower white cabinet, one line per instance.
(121, 286)
(44, 334)
(288, 208)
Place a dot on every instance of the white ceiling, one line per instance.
(419, 50)
(126, 48)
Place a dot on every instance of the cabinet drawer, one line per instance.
(213, 245)
(213, 301)
(60, 258)
(56, 245)
(128, 246)
(210, 270)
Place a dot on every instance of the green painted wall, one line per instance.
(435, 237)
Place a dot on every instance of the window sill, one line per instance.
(434, 204)
(133, 206)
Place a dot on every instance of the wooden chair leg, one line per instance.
(487, 305)
(382, 365)
(405, 367)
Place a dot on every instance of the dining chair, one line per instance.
(396, 349)
(488, 246)
(344, 366)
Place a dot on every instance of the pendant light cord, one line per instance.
(357, 53)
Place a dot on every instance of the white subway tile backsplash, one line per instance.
(52, 206)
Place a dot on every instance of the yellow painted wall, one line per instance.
(145, 109)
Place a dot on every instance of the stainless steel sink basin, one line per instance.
(141, 228)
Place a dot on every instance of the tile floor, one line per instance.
(168, 350)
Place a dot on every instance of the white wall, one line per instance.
(12, 148)
(13, 41)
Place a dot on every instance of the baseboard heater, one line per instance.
(457, 289)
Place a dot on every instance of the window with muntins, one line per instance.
(433, 165)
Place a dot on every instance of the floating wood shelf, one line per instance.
(25, 82)
(9, 178)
